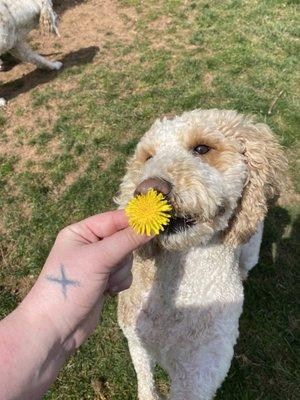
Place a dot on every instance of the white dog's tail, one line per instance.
(48, 18)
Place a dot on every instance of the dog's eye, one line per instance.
(148, 158)
(201, 149)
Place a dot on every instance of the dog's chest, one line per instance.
(189, 291)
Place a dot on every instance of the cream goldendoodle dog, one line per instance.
(17, 19)
(218, 169)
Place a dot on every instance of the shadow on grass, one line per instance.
(61, 6)
(31, 80)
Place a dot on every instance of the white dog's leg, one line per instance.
(143, 365)
(23, 52)
(250, 252)
(196, 374)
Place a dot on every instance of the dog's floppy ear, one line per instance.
(267, 167)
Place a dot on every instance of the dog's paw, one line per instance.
(56, 65)
(2, 102)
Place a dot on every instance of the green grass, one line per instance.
(224, 54)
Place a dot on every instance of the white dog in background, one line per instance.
(218, 169)
(17, 19)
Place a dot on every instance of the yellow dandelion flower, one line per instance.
(148, 213)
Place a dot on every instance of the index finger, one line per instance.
(101, 225)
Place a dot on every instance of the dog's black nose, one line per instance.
(158, 184)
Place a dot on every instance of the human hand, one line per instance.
(88, 259)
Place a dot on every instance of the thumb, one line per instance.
(113, 249)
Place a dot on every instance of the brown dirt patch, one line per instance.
(208, 79)
(161, 23)
(85, 27)
(98, 388)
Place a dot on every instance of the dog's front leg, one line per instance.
(143, 365)
(196, 374)
(24, 53)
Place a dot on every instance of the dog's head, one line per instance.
(218, 170)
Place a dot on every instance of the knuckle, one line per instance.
(65, 231)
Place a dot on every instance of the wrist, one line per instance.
(67, 316)
(47, 320)
(69, 298)
(31, 352)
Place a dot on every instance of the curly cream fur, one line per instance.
(183, 307)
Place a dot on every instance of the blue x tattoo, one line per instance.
(63, 281)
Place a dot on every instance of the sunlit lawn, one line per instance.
(186, 54)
